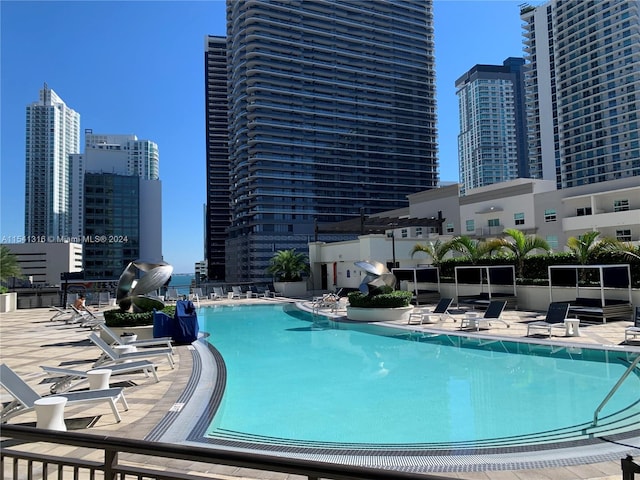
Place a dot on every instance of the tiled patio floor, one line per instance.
(29, 339)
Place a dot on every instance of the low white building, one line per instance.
(43, 262)
(532, 206)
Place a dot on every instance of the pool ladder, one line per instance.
(624, 376)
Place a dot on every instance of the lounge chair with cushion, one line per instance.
(633, 331)
(491, 314)
(151, 342)
(426, 315)
(111, 356)
(67, 379)
(25, 397)
(556, 315)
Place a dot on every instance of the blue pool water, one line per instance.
(290, 378)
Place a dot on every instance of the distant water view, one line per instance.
(182, 282)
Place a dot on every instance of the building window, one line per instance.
(494, 222)
(623, 235)
(581, 212)
(449, 227)
(419, 232)
(518, 218)
(471, 226)
(404, 233)
(552, 240)
(550, 215)
(620, 205)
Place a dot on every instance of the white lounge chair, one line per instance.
(103, 298)
(69, 378)
(491, 314)
(236, 292)
(172, 295)
(152, 342)
(110, 356)
(25, 397)
(633, 331)
(62, 314)
(556, 315)
(218, 293)
(436, 315)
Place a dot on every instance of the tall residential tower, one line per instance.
(217, 212)
(331, 114)
(583, 90)
(52, 133)
(492, 144)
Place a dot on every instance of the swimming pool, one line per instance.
(293, 379)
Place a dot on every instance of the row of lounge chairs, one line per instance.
(65, 381)
(555, 317)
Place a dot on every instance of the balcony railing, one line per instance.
(20, 457)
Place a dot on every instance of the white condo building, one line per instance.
(583, 90)
(492, 138)
(52, 133)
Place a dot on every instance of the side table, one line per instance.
(571, 327)
(50, 413)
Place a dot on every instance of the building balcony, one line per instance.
(602, 220)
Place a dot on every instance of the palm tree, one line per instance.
(288, 265)
(587, 247)
(8, 264)
(474, 250)
(436, 250)
(520, 245)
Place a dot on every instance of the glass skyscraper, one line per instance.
(492, 144)
(583, 90)
(52, 133)
(331, 113)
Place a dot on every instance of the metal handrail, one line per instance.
(113, 446)
(614, 389)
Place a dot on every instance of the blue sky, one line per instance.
(138, 68)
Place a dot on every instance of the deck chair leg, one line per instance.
(153, 372)
(123, 400)
(114, 409)
(171, 361)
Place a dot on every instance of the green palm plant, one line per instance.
(436, 250)
(8, 264)
(288, 265)
(520, 245)
(587, 247)
(474, 250)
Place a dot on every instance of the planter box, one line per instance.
(379, 314)
(291, 289)
(8, 302)
(143, 333)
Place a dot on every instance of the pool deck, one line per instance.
(29, 339)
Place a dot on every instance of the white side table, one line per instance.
(469, 320)
(99, 378)
(571, 327)
(50, 413)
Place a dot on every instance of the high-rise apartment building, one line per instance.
(331, 113)
(583, 90)
(52, 133)
(116, 203)
(217, 211)
(492, 143)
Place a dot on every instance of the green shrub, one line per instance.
(394, 299)
(118, 318)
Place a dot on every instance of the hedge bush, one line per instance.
(394, 299)
(118, 318)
